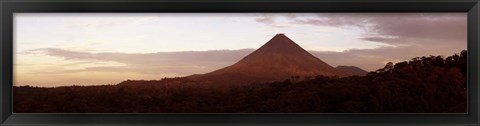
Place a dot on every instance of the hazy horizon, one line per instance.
(61, 49)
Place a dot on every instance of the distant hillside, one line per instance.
(353, 70)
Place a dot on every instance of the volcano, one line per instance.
(278, 59)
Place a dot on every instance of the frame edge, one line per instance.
(5, 109)
(5, 57)
(2, 114)
(474, 13)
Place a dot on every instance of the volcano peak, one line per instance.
(280, 44)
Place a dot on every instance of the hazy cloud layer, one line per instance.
(178, 63)
(373, 59)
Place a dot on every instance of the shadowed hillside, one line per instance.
(430, 84)
(352, 70)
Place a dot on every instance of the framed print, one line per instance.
(307, 62)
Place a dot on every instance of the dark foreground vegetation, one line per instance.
(425, 84)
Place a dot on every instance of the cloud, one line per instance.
(393, 28)
(272, 21)
(265, 19)
(176, 63)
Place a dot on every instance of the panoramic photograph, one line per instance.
(240, 63)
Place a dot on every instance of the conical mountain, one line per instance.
(278, 59)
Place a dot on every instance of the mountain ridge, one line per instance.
(353, 70)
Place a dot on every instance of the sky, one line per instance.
(61, 49)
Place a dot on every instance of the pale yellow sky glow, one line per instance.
(61, 49)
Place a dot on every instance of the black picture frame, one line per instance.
(8, 7)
